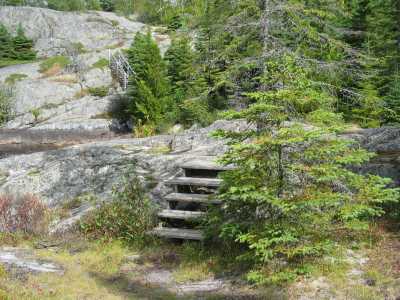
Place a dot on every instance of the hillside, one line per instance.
(250, 150)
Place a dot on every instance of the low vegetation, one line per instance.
(24, 214)
(6, 104)
(14, 78)
(101, 64)
(127, 217)
(101, 91)
(53, 65)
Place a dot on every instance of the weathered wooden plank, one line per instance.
(178, 233)
(204, 163)
(192, 198)
(180, 214)
(193, 181)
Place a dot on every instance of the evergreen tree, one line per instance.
(180, 66)
(107, 5)
(6, 47)
(148, 89)
(382, 42)
(293, 190)
(22, 46)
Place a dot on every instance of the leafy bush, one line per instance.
(59, 62)
(25, 214)
(101, 91)
(144, 130)
(128, 216)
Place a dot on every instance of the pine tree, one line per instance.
(148, 89)
(22, 46)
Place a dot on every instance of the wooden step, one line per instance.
(204, 163)
(178, 233)
(192, 198)
(194, 181)
(180, 214)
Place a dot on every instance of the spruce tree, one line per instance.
(22, 46)
(6, 47)
(148, 89)
(180, 66)
(293, 190)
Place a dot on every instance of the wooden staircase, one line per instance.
(193, 194)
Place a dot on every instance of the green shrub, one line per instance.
(79, 47)
(128, 216)
(195, 111)
(13, 78)
(55, 61)
(35, 114)
(5, 105)
(101, 91)
(101, 64)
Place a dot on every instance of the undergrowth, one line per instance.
(127, 217)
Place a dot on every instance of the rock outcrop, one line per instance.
(63, 99)
(385, 142)
(55, 32)
(94, 168)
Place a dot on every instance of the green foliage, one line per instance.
(294, 196)
(14, 49)
(35, 114)
(101, 63)
(195, 112)
(59, 61)
(127, 217)
(22, 46)
(181, 70)
(14, 78)
(5, 105)
(79, 47)
(71, 5)
(101, 91)
(107, 5)
(148, 90)
(6, 47)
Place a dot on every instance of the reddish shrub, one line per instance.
(26, 214)
(6, 213)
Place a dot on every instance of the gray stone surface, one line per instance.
(60, 97)
(60, 175)
(386, 143)
(20, 262)
(55, 31)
